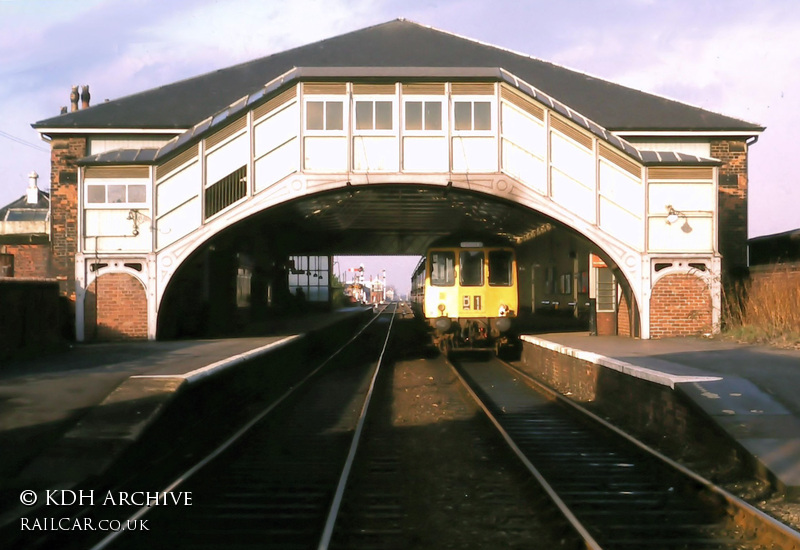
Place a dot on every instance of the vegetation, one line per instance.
(766, 310)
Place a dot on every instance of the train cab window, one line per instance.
(442, 268)
(471, 267)
(500, 268)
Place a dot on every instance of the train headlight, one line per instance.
(442, 323)
(503, 310)
(441, 308)
(503, 324)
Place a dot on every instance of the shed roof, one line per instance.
(22, 210)
(396, 44)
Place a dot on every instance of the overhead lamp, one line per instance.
(672, 215)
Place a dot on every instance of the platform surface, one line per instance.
(64, 416)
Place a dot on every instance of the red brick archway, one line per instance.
(680, 305)
(115, 308)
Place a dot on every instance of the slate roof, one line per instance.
(20, 210)
(220, 118)
(396, 44)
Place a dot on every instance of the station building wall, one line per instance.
(732, 206)
(116, 308)
(680, 305)
(65, 152)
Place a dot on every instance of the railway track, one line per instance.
(278, 482)
(429, 471)
(291, 477)
(615, 491)
(267, 483)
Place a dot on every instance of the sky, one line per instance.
(739, 58)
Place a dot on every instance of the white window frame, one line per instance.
(442, 100)
(387, 98)
(472, 99)
(116, 205)
(325, 99)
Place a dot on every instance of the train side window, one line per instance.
(442, 268)
(471, 267)
(500, 268)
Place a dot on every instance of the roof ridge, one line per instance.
(385, 41)
(575, 70)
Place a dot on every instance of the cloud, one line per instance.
(737, 60)
(736, 67)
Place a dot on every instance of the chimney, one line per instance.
(85, 97)
(33, 188)
(73, 99)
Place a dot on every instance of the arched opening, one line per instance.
(385, 219)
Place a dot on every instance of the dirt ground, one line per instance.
(461, 487)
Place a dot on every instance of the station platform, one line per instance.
(66, 416)
(751, 392)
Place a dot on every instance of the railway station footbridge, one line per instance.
(384, 159)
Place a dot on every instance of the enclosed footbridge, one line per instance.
(389, 159)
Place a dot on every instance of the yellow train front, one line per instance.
(468, 294)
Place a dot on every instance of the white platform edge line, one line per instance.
(620, 366)
(213, 368)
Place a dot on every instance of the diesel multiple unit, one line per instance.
(467, 293)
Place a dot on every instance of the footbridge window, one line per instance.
(325, 115)
(472, 116)
(375, 140)
(226, 191)
(325, 141)
(423, 115)
(424, 132)
(474, 119)
(374, 115)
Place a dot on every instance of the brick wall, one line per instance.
(680, 305)
(733, 183)
(31, 319)
(655, 413)
(115, 308)
(784, 272)
(624, 317)
(606, 323)
(64, 208)
(30, 260)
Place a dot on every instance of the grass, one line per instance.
(766, 310)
